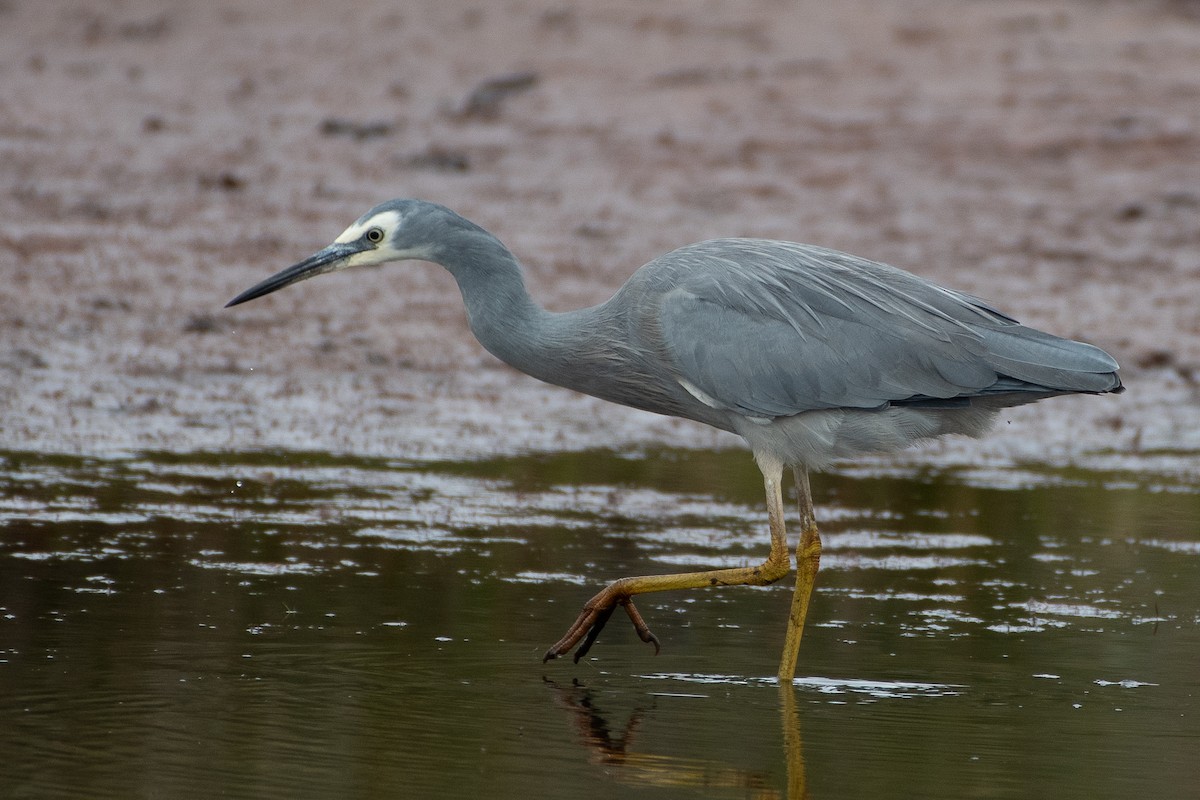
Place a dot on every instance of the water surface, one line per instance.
(308, 625)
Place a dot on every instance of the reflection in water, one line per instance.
(660, 770)
(314, 626)
(789, 713)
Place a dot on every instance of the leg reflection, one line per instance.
(617, 749)
(793, 751)
(603, 747)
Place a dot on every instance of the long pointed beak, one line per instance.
(318, 263)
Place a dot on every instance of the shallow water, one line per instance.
(307, 625)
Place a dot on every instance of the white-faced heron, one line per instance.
(808, 354)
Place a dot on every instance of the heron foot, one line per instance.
(595, 615)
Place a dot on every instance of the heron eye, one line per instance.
(375, 235)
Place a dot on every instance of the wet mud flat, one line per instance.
(158, 160)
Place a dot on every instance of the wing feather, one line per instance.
(773, 329)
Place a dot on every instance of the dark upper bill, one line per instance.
(318, 263)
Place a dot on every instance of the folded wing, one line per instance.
(771, 329)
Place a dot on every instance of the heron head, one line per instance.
(392, 231)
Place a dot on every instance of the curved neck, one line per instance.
(502, 315)
(590, 350)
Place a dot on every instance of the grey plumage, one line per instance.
(809, 354)
(774, 329)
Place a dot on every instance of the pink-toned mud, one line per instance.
(157, 158)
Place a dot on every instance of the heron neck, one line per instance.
(504, 317)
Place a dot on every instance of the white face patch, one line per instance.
(387, 221)
(390, 223)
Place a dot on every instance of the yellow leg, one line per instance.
(808, 560)
(618, 593)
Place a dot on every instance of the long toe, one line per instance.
(598, 623)
(643, 630)
(589, 623)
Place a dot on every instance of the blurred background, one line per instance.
(159, 157)
(314, 546)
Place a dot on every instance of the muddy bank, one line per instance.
(155, 161)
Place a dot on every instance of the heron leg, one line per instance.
(597, 611)
(808, 560)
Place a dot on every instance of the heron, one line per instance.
(809, 354)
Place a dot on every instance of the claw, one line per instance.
(591, 621)
(639, 625)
